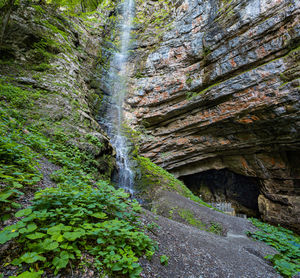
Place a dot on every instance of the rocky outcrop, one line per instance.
(47, 50)
(222, 91)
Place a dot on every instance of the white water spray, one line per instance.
(117, 85)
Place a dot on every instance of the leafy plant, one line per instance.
(78, 217)
(287, 261)
(215, 228)
(29, 274)
(17, 164)
(152, 226)
(164, 260)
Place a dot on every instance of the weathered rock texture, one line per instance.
(46, 50)
(222, 91)
(219, 186)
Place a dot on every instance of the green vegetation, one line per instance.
(156, 19)
(164, 260)
(171, 212)
(154, 176)
(190, 218)
(17, 160)
(80, 216)
(18, 97)
(287, 261)
(83, 219)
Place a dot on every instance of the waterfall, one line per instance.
(117, 87)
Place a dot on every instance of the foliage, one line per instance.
(18, 97)
(94, 140)
(29, 274)
(78, 5)
(76, 217)
(215, 228)
(59, 151)
(164, 260)
(56, 150)
(287, 261)
(4, 3)
(17, 164)
(72, 5)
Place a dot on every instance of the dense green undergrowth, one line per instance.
(77, 219)
(17, 163)
(82, 221)
(287, 260)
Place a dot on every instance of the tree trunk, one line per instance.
(7, 9)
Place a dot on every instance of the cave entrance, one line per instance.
(230, 192)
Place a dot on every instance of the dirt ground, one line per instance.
(195, 253)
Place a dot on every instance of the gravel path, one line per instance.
(194, 253)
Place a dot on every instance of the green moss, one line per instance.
(42, 52)
(139, 74)
(42, 67)
(190, 218)
(18, 97)
(39, 9)
(171, 212)
(55, 30)
(153, 176)
(206, 51)
(189, 81)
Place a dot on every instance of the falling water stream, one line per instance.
(117, 86)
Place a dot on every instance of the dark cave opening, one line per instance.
(226, 189)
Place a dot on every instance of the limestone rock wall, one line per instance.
(221, 90)
(45, 49)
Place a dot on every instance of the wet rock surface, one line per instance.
(222, 91)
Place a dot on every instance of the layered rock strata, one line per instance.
(222, 91)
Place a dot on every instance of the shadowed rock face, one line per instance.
(225, 186)
(222, 91)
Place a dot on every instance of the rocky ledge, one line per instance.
(222, 91)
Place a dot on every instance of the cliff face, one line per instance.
(47, 51)
(222, 91)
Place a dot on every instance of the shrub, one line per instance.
(76, 218)
(287, 261)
